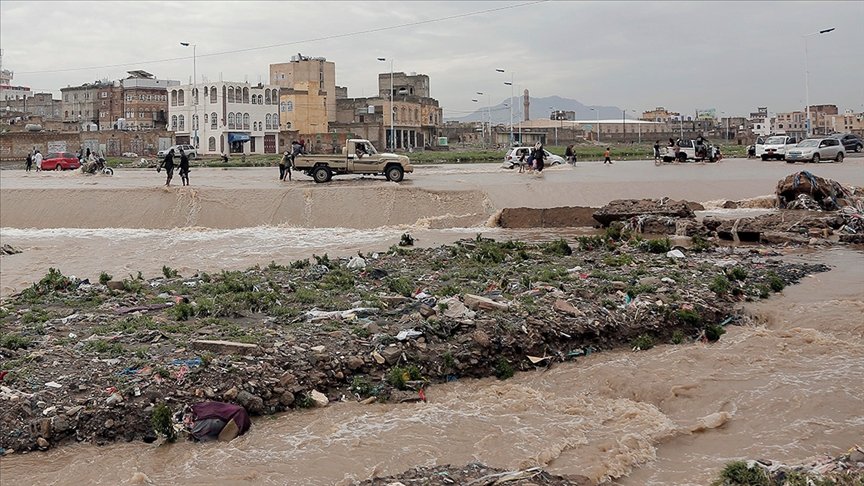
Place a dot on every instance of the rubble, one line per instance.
(847, 468)
(626, 209)
(475, 474)
(803, 190)
(272, 339)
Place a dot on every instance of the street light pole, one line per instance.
(392, 112)
(511, 103)
(638, 124)
(552, 112)
(488, 114)
(194, 92)
(807, 78)
(597, 112)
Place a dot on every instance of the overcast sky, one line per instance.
(732, 56)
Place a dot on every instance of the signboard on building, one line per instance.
(706, 114)
(57, 146)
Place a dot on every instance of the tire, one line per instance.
(790, 161)
(858, 147)
(682, 157)
(394, 173)
(321, 174)
(764, 158)
(58, 167)
(839, 157)
(815, 159)
(109, 171)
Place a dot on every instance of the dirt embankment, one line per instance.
(89, 362)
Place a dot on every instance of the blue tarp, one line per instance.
(238, 137)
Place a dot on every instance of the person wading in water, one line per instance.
(168, 164)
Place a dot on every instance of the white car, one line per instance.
(511, 160)
(190, 151)
(775, 147)
(816, 150)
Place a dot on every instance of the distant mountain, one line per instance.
(539, 108)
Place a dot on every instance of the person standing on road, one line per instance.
(29, 162)
(539, 155)
(570, 155)
(168, 164)
(184, 168)
(606, 157)
(37, 160)
(656, 151)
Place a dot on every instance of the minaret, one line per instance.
(526, 103)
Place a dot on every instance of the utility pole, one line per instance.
(511, 105)
(392, 111)
(194, 93)
(807, 76)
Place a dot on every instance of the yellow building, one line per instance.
(307, 94)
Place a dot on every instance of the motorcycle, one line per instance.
(97, 167)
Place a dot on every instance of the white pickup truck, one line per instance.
(690, 150)
(775, 147)
(358, 157)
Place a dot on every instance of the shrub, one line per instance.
(700, 244)
(678, 337)
(713, 333)
(558, 247)
(613, 232)
(503, 369)
(775, 282)
(661, 245)
(162, 423)
(15, 341)
(720, 285)
(182, 311)
(299, 264)
(361, 386)
(398, 376)
(400, 285)
(738, 273)
(642, 342)
(737, 473)
(54, 280)
(689, 316)
(169, 272)
(104, 278)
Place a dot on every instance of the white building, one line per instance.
(228, 117)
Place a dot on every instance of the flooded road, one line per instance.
(785, 388)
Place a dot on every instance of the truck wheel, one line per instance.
(682, 157)
(394, 173)
(321, 174)
(764, 158)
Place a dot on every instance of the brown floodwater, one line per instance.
(787, 387)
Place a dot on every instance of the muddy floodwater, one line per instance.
(787, 386)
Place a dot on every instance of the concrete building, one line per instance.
(81, 104)
(307, 93)
(847, 122)
(9, 92)
(760, 122)
(232, 117)
(563, 115)
(660, 114)
(790, 123)
(40, 104)
(144, 102)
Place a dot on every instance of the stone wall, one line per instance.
(15, 146)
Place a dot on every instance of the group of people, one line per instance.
(533, 160)
(168, 164)
(286, 163)
(34, 157)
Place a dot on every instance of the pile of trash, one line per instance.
(846, 468)
(803, 190)
(475, 474)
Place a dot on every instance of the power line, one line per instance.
(284, 44)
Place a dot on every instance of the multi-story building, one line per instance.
(145, 101)
(820, 117)
(847, 122)
(760, 122)
(307, 93)
(40, 104)
(225, 117)
(416, 117)
(660, 114)
(790, 123)
(81, 103)
(563, 115)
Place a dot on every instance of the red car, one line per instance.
(60, 161)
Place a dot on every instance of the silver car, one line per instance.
(189, 150)
(816, 150)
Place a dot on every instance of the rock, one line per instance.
(455, 309)
(42, 443)
(114, 399)
(318, 349)
(651, 281)
(59, 424)
(73, 411)
(682, 241)
(676, 254)
(225, 347)
(319, 399)
(109, 424)
(356, 262)
(8, 250)
(857, 455)
(565, 307)
(231, 394)
(115, 285)
(391, 354)
(427, 311)
(618, 285)
(252, 403)
(49, 411)
(625, 209)
(46, 427)
(378, 358)
(476, 302)
(286, 398)
(481, 338)
(287, 379)
(730, 205)
(354, 363)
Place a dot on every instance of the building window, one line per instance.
(182, 122)
(211, 144)
(268, 121)
(246, 121)
(275, 121)
(181, 97)
(194, 122)
(194, 96)
(104, 94)
(173, 97)
(213, 94)
(214, 122)
(246, 95)
(267, 98)
(174, 122)
(231, 120)
(205, 119)
(129, 97)
(254, 99)
(231, 94)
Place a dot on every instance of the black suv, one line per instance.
(852, 143)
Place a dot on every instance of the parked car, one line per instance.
(190, 151)
(851, 143)
(775, 147)
(513, 155)
(816, 150)
(60, 161)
